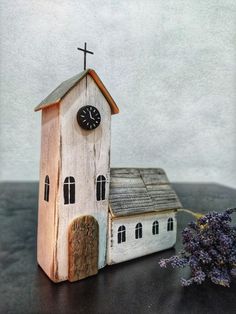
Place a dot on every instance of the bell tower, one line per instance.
(74, 177)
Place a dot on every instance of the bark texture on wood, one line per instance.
(83, 248)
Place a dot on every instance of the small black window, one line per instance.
(121, 235)
(101, 188)
(69, 190)
(138, 231)
(170, 224)
(155, 227)
(46, 189)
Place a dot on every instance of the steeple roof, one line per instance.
(64, 88)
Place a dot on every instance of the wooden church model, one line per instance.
(89, 215)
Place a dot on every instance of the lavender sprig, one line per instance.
(209, 249)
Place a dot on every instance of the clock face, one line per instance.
(88, 117)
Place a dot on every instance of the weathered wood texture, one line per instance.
(47, 211)
(135, 191)
(149, 243)
(68, 150)
(64, 88)
(84, 155)
(83, 248)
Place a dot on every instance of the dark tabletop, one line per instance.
(138, 286)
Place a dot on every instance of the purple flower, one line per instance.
(220, 277)
(186, 282)
(163, 263)
(233, 272)
(199, 277)
(174, 261)
(209, 248)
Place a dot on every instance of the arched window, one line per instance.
(46, 188)
(101, 188)
(138, 231)
(155, 227)
(121, 235)
(69, 190)
(170, 224)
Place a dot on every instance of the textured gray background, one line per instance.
(170, 66)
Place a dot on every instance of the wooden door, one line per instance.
(83, 248)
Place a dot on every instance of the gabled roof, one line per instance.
(137, 191)
(60, 92)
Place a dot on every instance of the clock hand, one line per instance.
(91, 116)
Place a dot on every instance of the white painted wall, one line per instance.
(84, 155)
(170, 65)
(149, 243)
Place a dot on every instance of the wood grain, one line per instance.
(134, 191)
(68, 150)
(85, 156)
(83, 248)
(47, 211)
(106, 94)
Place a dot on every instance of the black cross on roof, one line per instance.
(85, 52)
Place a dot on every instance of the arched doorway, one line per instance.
(82, 248)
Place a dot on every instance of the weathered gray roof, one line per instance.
(65, 87)
(61, 90)
(134, 191)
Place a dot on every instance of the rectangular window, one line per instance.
(101, 188)
(46, 189)
(121, 235)
(138, 231)
(69, 190)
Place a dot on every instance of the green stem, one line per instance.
(196, 215)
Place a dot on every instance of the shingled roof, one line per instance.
(136, 191)
(60, 92)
